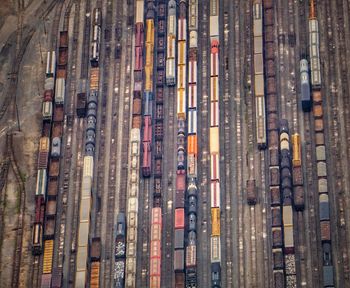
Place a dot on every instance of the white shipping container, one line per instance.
(51, 63)
(139, 11)
(81, 258)
(214, 114)
(85, 206)
(193, 15)
(257, 28)
(214, 64)
(215, 194)
(171, 25)
(41, 182)
(191, 165)
(259, 85)
(214, 167)
(214, 27)
(170, 72)
(192, 121)
(83, 234)
(192, 71)
(192, 96)
(257, 11)
(80, 278)
(60, 91)
(86, 187)
(132, 205)
(193, 39)
(214, 140)
(88, 167)
(171, 48)
(215, 249)
(49, 83)
(47, 110)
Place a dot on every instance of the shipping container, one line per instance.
(41, 182)
(274, 157)
(60, 91)
(214, 89)
(275, 196)
(278, 259)
(181, 181)
(277, 238)
(192, 96)
(276, 216)
(297, 176)
(56, 277)
(179, 260)
(191, 256)
(179, 239)
(215, 221)
(45, 281)
(274, 176)
(251, 192)
(324, 207)
(179, 218)
(321, 153)
(322, 186)
(215, 248)
(95, 249)
(37, 239)
(180, 199)
(215, 194)
(94, 78)
(47, 111)
(51, 208)
(319, 138)
(192, 121)
(321, 169)
(48, 255)
(278, 279)
(328, 276)
(299, 202)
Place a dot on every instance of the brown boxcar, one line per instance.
(136, 121)
(49, 228)
(277, 238)
(52, 188)
(269, 17)
(181, 182)
(158, 150)
(276, 216)
(270, 51)
(270, 68)
(275, 196)
(81, 105)
(179, 260)
(179, 238)
(95, 249)
(136, 106)
(58, 114)
(63, 38)
(318, 111)
(95, 275)
(159, 95)
(271, 86)
(319, 138)
(317, 97)
(269, 36)
(274, 157)
(56, 277)
(277, 259)
(54, 168)
(51, 208)
(251, 192)
(45, 281)
(62, 56)
(325, 231)
(318, 125)
(180, 199)
(57, 129)
(272, 103)
(273, 138)
(158, 168)
(157, 187)
(272, 121)
(299, 202)
(274, 176)
(297, 176)
(179, 280)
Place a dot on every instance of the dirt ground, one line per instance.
(29, 99)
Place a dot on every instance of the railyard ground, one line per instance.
(25, 143)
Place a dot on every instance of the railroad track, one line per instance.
(168, 184)
(17, 257)
(226, 258)
(334, 81)
(203, 246)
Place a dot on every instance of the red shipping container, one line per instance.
(180, 182)
(42, 159)
(39, 203)
(155, 267)
(179, 218)
(325, 231)
(157, 216)
(155, 249)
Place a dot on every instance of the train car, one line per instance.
(51, 64)
(60, 91)
(95, 275)
(171, 39)
(96, 37)
(251, 192)
(305, 86)
(314, 54)
(259, 86)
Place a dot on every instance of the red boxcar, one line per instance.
(146, 160)
(138, 59)
(139, 35)
(179, 218)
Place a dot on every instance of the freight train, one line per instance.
(287, 206)
(324, 208)
(171, 39)
(259, 86)
(214, 139)
(83, 244)
(134, 150)
(96, 37)
(192, 190)
(120, 251)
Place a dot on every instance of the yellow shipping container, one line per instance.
(214, 140)
(44, 144)
(296, 150)
(150, 31)
(94, 78)
(48, 254)
(215, 221)
(95, 275)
